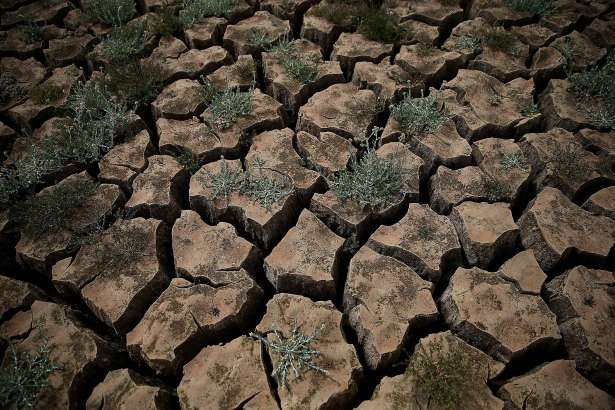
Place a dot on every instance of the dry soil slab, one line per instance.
(523, 270)
(315, 389)
(562, 108)
(121, 273)
(125, 161)
(554, 385)
(329, 153)
(126, 389)
(423, 240)
(386, 302)
(179, 101)
(233, 375)
(492, 314)
(350, 48)
(307, 260)
(557, 230)
(240, 38)
(486, 231)
(388, 81)
(189, 315)
(407, 390)
(602, 203)
(157, 191)
(16, 296)
(582, 298)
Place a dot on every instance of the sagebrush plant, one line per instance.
(228, 106)
(123, 43)
(189, 160)
(10, 88)
(129, 243)
(540, 7)
(468, 42)
(23, 376)
(164, 22)
(95, 118)
(135, 83)
(416, 116)
(264, 189)
(244, 68)
(371, 181)
(341, 12)
(299, 67)
(595, 90)
(259, 38)
(112, 12)
(51, 211)
(380, 25)
(443, 379)
(495, 190)
(294, 353)
(530, 110)
(193, 11)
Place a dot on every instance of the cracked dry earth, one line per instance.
(517, 284)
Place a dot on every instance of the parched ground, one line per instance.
(489, 280)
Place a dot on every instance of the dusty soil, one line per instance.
(508, 269)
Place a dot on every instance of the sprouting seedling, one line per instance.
(294, 353)
(514, 160)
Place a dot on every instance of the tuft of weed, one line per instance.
(9, 88)
(442, 378)
(259, 39)
(341, 12)
(136, 83)
(425, 50)
(494, 99)
(124, 43)
(597, 85)
(164, 22)
(129, 243)
(514, 160)
(497, 38)
(540, 7)
(46, 93)
(565, 160)
(370, 181)
(298, 67)
(193, 11)
(244, 68)
(95, 120)
(294, 353)
(189, 160)
(52, 210)
(228, 106)
(468, 42)
(417, 116)
(379, 25)
(24, 376)
(263, 189)
(112, 12)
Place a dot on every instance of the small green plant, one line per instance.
(494, 189)
(378, 25)
(24, 376)
(52, 210)
(124, 42)
(494, 99)
(193, 11)
(32, 32)
(565, 160)
(514, 160)
(298, 67)
(530, 110)
(595, 91)
(443, 378)
(228, 106)
(112, 12)
(497, 38)
(425, 50)
(540, 7)
(259, 39)
(341, 12)
(417, 116)
(136, 83)
(46, 93)
(129, 243)
(425, 233)
(225, 182)
(189, 160)
(371, 181)
(164, 22)
(294, 353)
(468, 42)
(9, 88)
